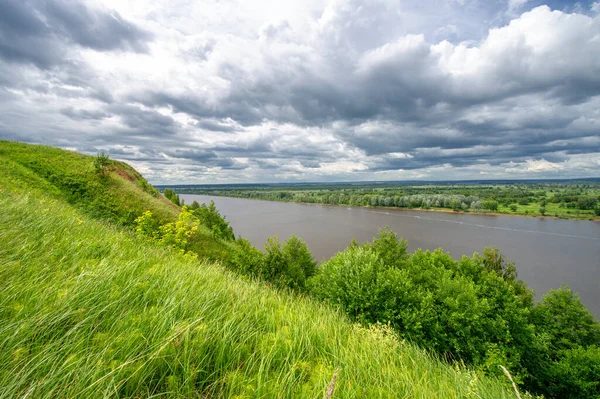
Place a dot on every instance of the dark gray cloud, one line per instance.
(40, 31)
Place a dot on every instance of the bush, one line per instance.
(177, 234)
(172, 196)
(101, 163)
(210, 217)
(571, 354)
(475, 311)
(490, 205)
(246, 259)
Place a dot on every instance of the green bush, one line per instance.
(490, 205)
(474, 311)
(286, 266)
(210, 217)
(101, 163)
(172, 196)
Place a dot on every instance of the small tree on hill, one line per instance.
(172, 196)
(101, 163)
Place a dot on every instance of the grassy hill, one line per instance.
(118, 193)
(87, 309)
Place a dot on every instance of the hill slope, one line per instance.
(89, 310)
(118, 192)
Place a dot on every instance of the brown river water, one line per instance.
(547, 252)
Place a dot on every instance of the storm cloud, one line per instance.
(347, 90)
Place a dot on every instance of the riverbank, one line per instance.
(437, 210)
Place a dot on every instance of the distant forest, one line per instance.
(570, 199)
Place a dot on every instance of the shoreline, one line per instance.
(393, 208)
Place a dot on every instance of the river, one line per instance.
(547, 252)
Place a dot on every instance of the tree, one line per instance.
(490, 205)
(246, 259)
(391, 250)
(172, 196)
(562, 315)
(571, 347)
(101, 163)
(298, 255)
(277, 267)
(210, 217)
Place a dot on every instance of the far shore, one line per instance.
(439, 210)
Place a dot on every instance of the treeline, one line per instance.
(474, 310)
(557, 200)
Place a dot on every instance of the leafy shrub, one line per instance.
(177, 234)
(286, 266)
(101, 163)
(490, 205)
(210, 217)
(571, 350)
(474, 310)
(245, 258)
(172, 196)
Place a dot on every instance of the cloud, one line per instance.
(515, 5)
(41, 32)
(307, 91)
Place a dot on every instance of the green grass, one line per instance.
(89, 310)
(120, 195)
(552, 210)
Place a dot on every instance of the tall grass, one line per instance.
(89, 311)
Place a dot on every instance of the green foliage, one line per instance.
(116, 192)
(562, 315)
(246, 259)
(542, 210)
(89, 310)
(147, 225)
(210, 217)
(490, 205)
(350, 280)
(101, 163)
(187, 234)
(287, 266)
(391, 250)
(571, 350)
(299, 258)
(569, 199)
(172, 196)
(574, 375)
(474, 310)
(277, 267)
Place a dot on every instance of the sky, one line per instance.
(218, 91)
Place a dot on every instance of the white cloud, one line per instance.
(515, 5)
